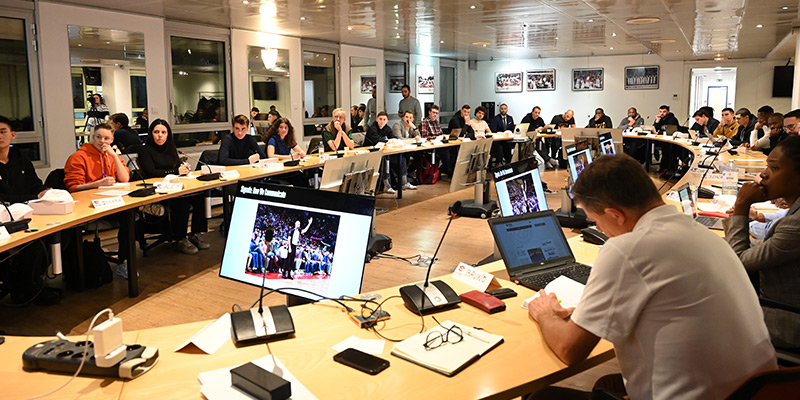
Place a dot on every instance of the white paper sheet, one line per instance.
(212, 336)
(568, 292)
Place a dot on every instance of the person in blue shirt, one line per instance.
(281, 142)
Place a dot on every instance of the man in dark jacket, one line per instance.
(124, 136)
(600, 120)
(664, 118)
(380, 132)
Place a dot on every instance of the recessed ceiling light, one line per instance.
(472, 7)
(556, 37)
(108, 42)
(395, 6)
(484, 44)
(613, 34)
(322, 6)
(398, 36)
(245, 2)
(441, 41)
(357, 27)
(591, 20)
(612, 48)
(642, 20)
(662, 41)
(784, 8)
(551, 51)
(189, 51)
(302, 18)
(759, 26)
(80, 45)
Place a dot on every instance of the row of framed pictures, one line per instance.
(583, 79)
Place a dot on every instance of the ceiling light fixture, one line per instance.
(759, 26)
(642, 20)
(357, 27)
(302, 18)
(591, 20)
(784, 8)
(80, 45)
(484, 44)
(472, 7)
(189, 51)
(245, 2)
(269, 57)
(322, 6)
(108, 42)
(612, 48)
(613, 34)
(662, 41)
(269, 9)
(441, 41)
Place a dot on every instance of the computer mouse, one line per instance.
(705, 193)
(593, 236)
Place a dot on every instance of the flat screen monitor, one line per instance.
(607, 144)
(578, 160)
(519, 188)
(265, 90)
(320, 239)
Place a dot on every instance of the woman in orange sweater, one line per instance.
(95, 164)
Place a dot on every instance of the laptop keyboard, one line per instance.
(577, 271)
(706, 220)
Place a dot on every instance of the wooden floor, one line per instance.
(177, 288)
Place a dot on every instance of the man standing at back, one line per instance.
(409, 103)
(371, 112)
(685, 325)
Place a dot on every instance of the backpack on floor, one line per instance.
(427, 173)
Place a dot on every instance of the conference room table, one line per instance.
(521, 364)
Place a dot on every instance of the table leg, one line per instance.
(128, 223)
(79, 253)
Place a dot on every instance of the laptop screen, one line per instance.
(530, 240)
(578, 161)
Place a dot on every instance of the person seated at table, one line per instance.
(777, 258)
(791, 122)
(336, 135)
(534, 120)
(632, 120)
(664, 117)
(776, 134)
(159, 158)
(18, 179)
(380, 132)
(759, 137)
(281, 144)
(239, 148)
(405, 128)
(461, 120)
(362, 120)
(728, 127)
(600, 120)
(95, 164)
(431, 129)
(704, 124)
(746, 121)
(124, 136)
(503, 122)
(672, 316)
(478, 125)
(565, 120)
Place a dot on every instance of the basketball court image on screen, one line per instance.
(302, 246)
(523, 194)
(578, 162)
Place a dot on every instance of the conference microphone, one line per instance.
(256, 326)
(210, 176)
(434, 296)
(14, 225)
(148, 189)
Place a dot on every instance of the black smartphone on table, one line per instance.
(361, 361)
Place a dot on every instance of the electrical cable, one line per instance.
(83, 359)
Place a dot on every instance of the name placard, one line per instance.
(170, 187)
(108, 202)
(474, 277)
(228, 175)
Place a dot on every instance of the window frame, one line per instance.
(327, 48)
(447, 63)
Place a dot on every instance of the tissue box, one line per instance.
(51, 208)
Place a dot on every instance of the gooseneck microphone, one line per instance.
(432, 296)
(210, 176)
(148, 189)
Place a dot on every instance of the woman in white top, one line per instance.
(480, 126)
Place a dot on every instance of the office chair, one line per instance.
(769, 385)
(786, 357)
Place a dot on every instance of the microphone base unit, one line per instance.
(249, 327)
(143, 192)
(209, 177)
(470, 208)
(438, 296)
(16, 225)
(572, 219)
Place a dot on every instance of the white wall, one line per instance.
(356, 97)
(117, 89)
(55, 68)
(753, 83)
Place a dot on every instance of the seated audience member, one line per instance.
(142, 122)
(405, 128)
(277, 114)
(380, 132)
(664, 118)
(632, 120)
(501, 123)
(759, 138)
(536, 123)
(255, 114)
(159, 158)
(336, 136)
(761, 223)
(272, 116)
(534, 120)
(672, 316)
(281, 143)
(95, 164)
(431, 129)
(461, 121)
(124, 136)
(790, 122)
(704, 124)
(479, 126)
(362, 120)
(747, 124)
(777, 257)
(728, 127)
(18, 179)
(600, 120)
(565, 120)
(353, 115)
(239, 148)
(776, 134)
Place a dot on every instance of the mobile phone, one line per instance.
(361, 361)
(502, 293)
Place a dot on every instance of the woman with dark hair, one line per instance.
(159, 158)
(281, 142)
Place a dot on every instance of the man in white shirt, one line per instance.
(478, 124)
(668, 293)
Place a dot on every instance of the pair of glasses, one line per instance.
(790, 127)
(436, 339)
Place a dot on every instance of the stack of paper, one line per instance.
(450, 358)
(568, 291)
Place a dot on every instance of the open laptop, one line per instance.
(535, 250)
(521, 129)
(455, 133)
(685, 193)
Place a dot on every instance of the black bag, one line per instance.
(96, 270)
(24, 271)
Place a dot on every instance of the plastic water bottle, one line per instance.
(321, 149)
(730, 178)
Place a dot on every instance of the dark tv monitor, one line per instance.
(320, 239)
(265, 90)
(783, 81)
(519, 188)
(607, 144)
(578, 160)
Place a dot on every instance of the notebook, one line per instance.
(448, 359)
(689, 206)
(535, 250)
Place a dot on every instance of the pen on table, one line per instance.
(472, 335)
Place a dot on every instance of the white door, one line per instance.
(717, 97)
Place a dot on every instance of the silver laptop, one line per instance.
(455, 133)
(685, 193)
(535, 250)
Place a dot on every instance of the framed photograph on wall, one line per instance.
(425, 80)
(645, 77)
(541, 79)
(396, 83)
(508, 82)
(367, 83)
(587, 79)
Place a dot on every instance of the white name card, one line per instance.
(108, 202)
(170, 187)
(227, 175)
(474, 277)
